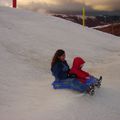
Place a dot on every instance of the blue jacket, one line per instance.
(60, 70)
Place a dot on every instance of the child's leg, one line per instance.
(96, 81)
(91, 81)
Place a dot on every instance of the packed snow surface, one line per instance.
(28, 41)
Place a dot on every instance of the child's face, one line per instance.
(81, 66)
(62, 57)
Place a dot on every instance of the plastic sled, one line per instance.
(72, 83)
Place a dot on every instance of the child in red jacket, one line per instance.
(83, 76)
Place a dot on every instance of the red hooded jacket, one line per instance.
(77, 69)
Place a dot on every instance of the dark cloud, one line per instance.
(72, 7)
(68, 7)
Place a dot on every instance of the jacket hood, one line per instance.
(77, 62)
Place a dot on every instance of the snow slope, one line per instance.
(27, 43)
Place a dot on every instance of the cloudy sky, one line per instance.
(68, 6)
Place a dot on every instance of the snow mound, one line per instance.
(28, 41)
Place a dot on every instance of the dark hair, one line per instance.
(56, 56)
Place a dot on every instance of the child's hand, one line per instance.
(87, 77)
